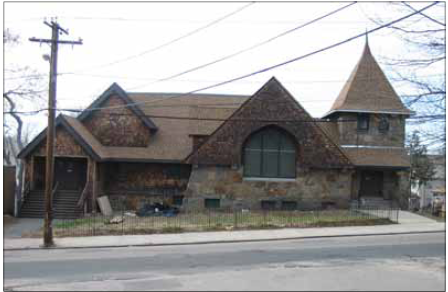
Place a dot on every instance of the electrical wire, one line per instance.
(261, 70)
(171, 41)
(278, 65)
(248, 48)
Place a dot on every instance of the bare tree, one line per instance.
(23, 89)
(425, 92)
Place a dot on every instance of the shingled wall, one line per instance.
(349, 134)
(118, 126)
(271, 105)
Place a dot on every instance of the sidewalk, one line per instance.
(223, 236)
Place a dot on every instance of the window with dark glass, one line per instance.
(383, 125)
(363, 122)
(270, 153)
(212, 203)
(268, 205)
(178, 200)
(289, 205)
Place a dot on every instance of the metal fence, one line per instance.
(128, 223)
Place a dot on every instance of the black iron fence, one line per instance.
(129, 223)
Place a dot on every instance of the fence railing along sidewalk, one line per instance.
(129, 223)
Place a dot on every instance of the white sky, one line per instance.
(113, 31)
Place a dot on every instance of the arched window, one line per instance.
(270, 153)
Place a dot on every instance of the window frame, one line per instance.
(286, 205)
(384, 120)
(207, 204)
(268, 205)
(262, 151)
(363, 117)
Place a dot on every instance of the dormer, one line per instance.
(115, 120)
(373, 112)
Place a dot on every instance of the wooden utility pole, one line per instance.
(55, 29)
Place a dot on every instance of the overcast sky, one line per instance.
(121, 43)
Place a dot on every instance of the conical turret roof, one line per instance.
(368, 90)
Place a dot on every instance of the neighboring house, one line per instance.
(435, 187)
(260, 151)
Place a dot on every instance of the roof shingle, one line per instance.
(368, 90)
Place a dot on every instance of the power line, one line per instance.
(312, 120)
(267, 68)
(291, 60)
(249, 48)
(38, 76)
(171, 41)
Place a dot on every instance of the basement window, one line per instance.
(268, 205)
(289, 205)
(212, 203)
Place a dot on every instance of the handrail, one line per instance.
(83, 194)
(53, 192)
(26, 191)
(54, 189)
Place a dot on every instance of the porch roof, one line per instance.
(378, 157)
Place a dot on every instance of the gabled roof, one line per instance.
(173, 141)
(82, 137)
(368, 90)
(116, 90)
(271, 105)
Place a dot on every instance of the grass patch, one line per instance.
(215, 221)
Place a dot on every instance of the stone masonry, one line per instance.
(311, 189)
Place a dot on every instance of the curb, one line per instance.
(223, 241)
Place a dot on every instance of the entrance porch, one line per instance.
(380, 186)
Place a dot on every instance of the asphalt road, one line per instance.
(394, 262)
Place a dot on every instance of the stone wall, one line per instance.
(118, 127)
(349, 134)
(312, 189)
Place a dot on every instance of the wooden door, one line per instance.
(70, 173)
(371, 184)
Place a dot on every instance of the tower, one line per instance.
(369, 100)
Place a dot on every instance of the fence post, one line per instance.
(122, 215)
(235, 219)
(208, 218)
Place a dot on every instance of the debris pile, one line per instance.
(157, 209)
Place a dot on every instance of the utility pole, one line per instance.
(49, 169)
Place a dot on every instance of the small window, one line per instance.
(212, 203)
(383, 125)
(363, 122)
(268, 205)
(177, 200)
(289, 205)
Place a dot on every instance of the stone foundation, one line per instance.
(311, 189)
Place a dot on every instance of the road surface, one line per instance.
(392, 262)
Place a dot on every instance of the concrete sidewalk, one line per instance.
(223, 236)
